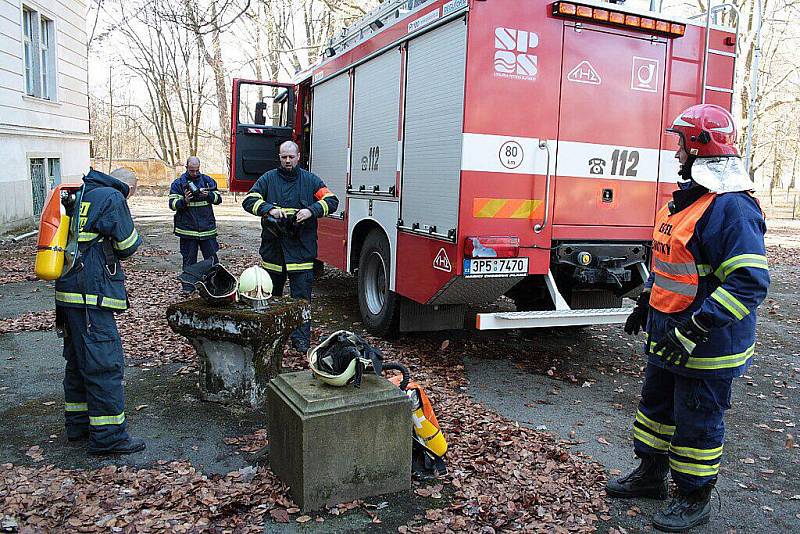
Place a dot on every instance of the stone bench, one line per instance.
(239, 349)
(337, 444)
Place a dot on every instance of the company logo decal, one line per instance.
(584, 73)
(644, 74)
(442, 262)
(511, 56)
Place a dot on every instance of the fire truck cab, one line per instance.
(488, 148)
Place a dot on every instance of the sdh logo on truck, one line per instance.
(511, 57)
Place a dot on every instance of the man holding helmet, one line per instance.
(192, 197)
(289, 201)
(698, 309)
(87, 296)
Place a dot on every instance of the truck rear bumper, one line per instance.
(551, 318)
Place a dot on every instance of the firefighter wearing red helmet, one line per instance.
(698, 310)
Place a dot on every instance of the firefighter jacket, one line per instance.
(106, 235)
(194, 220)
(291, 192)
(709, 260)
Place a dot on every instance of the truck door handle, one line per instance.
(544, 145)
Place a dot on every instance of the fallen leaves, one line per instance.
(169, 497)
(35, 453)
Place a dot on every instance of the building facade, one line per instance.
(44, 110)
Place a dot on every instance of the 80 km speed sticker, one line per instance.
(511, 155)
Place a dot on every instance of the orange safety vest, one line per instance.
(674, 266)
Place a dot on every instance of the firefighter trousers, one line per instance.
(300, 283)
(683, 417)
(94, 397)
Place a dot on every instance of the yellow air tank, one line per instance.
(53, 234)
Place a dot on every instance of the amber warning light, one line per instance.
(575, 11)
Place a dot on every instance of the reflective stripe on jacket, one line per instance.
(104, 218)
(194, 220)
(733, 277)
(291, 193)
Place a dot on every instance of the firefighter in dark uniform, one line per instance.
(290, 198)
(191, 197)
(86, 299)
(698, 310)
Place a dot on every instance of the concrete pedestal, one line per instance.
(239, 349)
(337, 444)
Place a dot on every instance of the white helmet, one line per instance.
(255, 287)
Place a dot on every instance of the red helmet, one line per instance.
(707, 131)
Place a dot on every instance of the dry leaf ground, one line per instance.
(491, 392)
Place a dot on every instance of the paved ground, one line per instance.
(582, 385)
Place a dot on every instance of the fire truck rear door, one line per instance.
(263, 118)
(612, 93)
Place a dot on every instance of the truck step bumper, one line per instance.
(549, 319)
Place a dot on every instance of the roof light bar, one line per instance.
(577, 11)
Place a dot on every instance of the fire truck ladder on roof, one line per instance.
(710, 15)
(714, 11)
(374, 21)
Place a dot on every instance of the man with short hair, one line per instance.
(87, 296)
(289, 201)
(191, 197)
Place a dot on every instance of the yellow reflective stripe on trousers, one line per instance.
(299, 266)
(83, 237)
(192, 233)
(75, 407)
(659, 428)
(91, 300)
(648, 439)
(272, 266)
(737, 262)
(698, 470)
(76, 298)
(117, 304)
(730, 303)
(697, 454)
(107, 420)
(128, 242)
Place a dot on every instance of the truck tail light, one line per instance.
(491, 247)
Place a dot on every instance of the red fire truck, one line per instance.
(488, 148)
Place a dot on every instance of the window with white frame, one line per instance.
(39, 54)
(54, 171)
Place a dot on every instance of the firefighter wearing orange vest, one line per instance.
(698, 310)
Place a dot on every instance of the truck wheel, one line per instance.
(379, 305)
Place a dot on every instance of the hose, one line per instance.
(393, 366)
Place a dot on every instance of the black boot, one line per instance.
(685, 511)
(129, 446)
(648, 481)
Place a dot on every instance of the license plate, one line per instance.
(495, 267)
